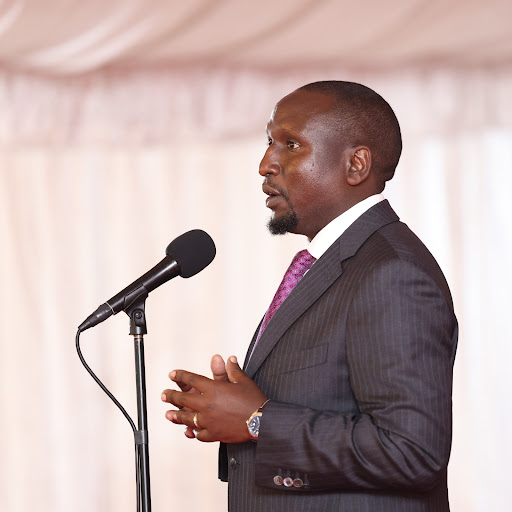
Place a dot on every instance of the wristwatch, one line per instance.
(254, 421)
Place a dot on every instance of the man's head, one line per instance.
(331, 145)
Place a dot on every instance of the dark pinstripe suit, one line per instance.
(358, 363)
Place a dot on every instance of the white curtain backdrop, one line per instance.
(99, 172)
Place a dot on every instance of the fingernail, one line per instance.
(163, 397)
(172, 375)
(233, 359)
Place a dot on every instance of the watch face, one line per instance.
(254, 426)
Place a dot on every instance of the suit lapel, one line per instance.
(314, 284)
(251, 345)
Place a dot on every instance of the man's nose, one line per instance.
(269, 163)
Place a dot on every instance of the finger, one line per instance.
(192, 380)
(186, 402)
(190, 432)
(191, 419)
(218, 367)
(182, 385)
(185, 387)
(166, 395)
(172, 416)
(235, 373)
(204, 436)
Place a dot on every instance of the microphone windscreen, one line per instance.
(193, 251)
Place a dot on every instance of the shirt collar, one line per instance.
(332, 231)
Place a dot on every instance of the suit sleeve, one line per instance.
(400, 344)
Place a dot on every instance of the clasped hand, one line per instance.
(220, 405)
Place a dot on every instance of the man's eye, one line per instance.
(292, 144)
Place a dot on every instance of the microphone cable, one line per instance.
(121, 408)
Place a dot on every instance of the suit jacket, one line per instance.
(358, 365)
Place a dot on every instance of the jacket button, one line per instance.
(232, 463)
(278, 480)
(298, 482)
(287, 482)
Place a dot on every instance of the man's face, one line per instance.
(303, 165)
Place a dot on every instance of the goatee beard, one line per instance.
(283, 224)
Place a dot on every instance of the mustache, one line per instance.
(279, 189)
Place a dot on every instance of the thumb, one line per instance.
(235, 373)
(218, 367)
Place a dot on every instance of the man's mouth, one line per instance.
(274, 195)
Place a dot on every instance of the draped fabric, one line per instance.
(73, 36)
(121, 129)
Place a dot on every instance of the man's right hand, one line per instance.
(218, 367)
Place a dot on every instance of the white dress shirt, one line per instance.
(330, 233)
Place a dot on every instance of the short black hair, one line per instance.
(365, 118)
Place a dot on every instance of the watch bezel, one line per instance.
(253, 425)
(255, 418)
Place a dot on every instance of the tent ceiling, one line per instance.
(73, 36)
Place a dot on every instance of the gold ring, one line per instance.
(195, 420)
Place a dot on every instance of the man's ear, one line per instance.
(360, 165)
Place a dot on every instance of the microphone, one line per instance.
(185, 256)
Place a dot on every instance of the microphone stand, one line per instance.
(136, 312)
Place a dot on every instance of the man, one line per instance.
(346, 390)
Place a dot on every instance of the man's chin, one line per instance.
(282, 224)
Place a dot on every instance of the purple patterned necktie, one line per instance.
(298, 267)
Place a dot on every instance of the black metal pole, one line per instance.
(142, 434)
(137, 330)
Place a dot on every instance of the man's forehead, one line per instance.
(303, 106)
(313, 100)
